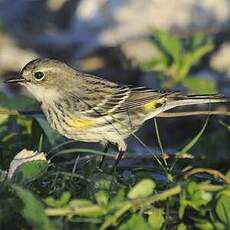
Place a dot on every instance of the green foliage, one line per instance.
(135, 222)
(139, 209)
(63, 200)
(156, 218)
(18, 103)
(50, 133)
(30, 171)
(142, 189)
(194, 140)
(197, 84)
(33, 210)
(222, 210)
(193, 196)
(176, 59)
(67, 192)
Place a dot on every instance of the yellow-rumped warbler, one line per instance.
(90, 109)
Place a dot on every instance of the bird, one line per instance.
(88, 108)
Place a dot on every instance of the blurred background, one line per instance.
(177, 44)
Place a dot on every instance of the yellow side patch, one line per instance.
(80, 123)
(154, 104)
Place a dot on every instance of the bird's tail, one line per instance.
(181, 100)
(177, 100)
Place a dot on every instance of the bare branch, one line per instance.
(193, 113)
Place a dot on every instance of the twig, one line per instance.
(213, 172)
(157, 197)
(139, 203)
(133, 156)
(15, 112)
(195, 113)
(9, 112)
(69, 211)
(164, 115)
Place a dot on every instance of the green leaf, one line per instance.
(156, 218)
(175, 48)
(225, 192)
(177, 57)
(223, 210)
(200, 198)
(219, 226)
(86, 208)
(102, 198)
(102, 182)
(25, 123)
(225, 125)
(188, 146)
(203, 224)
(3, 118)
(33, 210)
(181, 226)
(115, 201)
(194, 196)
(198, 53)
(30, 171)
(20, 102)
(157, 64)
(80, 203)
(51, 134)
(135, 222)
(168, 43)
(27, 166)
(192, 187)
(197, 196)
(199, 85)
(197, 41)
(142, 189)
(63, 200)
(185, 67)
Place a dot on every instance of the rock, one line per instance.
(12, 57)
(221, 59)
(128, 23)
(55, 5)
(140, 50)
(91, 63)
(75, 29)
(22, 157)
(134, 18)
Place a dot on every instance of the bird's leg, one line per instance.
(118, 158)
(105, 150)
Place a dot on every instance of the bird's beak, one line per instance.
(15, 80)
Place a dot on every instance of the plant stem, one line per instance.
(140, 203)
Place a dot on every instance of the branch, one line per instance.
(196, 113)
(15, 112)
(213, 172)
(140, 203)
(164, 114)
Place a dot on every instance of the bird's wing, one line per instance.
(101, 97)
(142, 97)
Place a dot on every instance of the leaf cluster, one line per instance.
(177, 58)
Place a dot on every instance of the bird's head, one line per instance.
(46, 78)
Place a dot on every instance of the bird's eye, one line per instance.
(38, 76)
